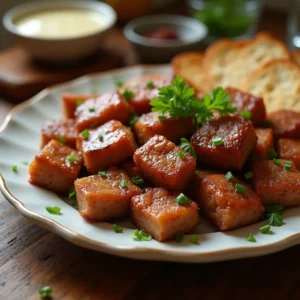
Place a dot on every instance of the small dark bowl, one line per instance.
(190, 31)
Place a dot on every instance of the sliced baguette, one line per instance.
(278, 82)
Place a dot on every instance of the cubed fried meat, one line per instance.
(289, 149)
(70, 102)
(264, 143)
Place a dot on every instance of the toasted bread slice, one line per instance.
(189, 66)
(278, 82)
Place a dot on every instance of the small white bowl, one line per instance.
(60, 49)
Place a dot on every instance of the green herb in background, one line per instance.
(45, 292)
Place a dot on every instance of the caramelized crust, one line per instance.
(275, 185)
(156, 212)
(101, 198)
(264, 143)
(289, 149)
(238, 140)
(52, 170)
(97, 111)
(69, 103)
(160, 163)
(149, 125)
(57, 129)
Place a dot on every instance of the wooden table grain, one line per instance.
(31, 257)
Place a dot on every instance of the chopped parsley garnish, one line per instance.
(196, 172)
(272, 154)
(246, 114)
(273, 212)
(275, 219)
(248, 175)
(161, 118)
(25, 162)
(100, 137)
(14, 169)
(140, 235)
(117, 228)
(179, 237)
(72, 158)
(61, 139)
(194, 239)
(266, 124)
(240, 189)
(102, 173)
(181, 154)
(178, 100)
(72, 193)
(181, 199)
(288, 165)
(250, 238)
(54, 210)
(133, 120)
(228, 175)
(277, 161)
(187, 147)
(85, 133)
(265, 229)
(79, 102)
(123, 184)
(128, 94)
(217, 141)
(45, 292)
(271, 208)
(137, 180)
(92, 109)
(150, 85)
(119, 83)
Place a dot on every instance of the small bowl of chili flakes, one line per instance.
(157, 38)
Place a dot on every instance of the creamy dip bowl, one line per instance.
(60, 30)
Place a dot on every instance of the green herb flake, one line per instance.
(217, 141)
(250, 238)
(119, 83)
(25, 162)
(140, 235)
(196, 172)
(277, 161)
(15, 169)
(117, 228)
(85, 133)
(228, 175)
(133, 120)
(266, 124)
(161, 118)
(54, 210)
(265, 229)
(248, 175)
(275, 219)
(187, 147)
(61, 139)
(240, 189)
(92, 109)
(79, 102)
(288, 165)
(181, 199)
(72, 158)
(193, 239)
(45, 292)
(272, 153)
(102, 173)
(123, 184)
(72, 193)
(100, 137)
(128, 94)
(150, 85)
(137, 180)
(246, 114)
(179, 237)
(181, 154)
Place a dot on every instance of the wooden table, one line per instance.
(31, 257)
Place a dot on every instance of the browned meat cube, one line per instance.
(165, 164)
(97, 111)
(276, 185)
(145, 88)
(56, 167)
(285, 123)
(105, 197)
(264, 143)
(61, 130)
(130, 168)
(227, 209)
(156, 212)
(106, 146)
(244, 101)
(225, 142)
(149, 125)
(70, 102)
(289, 149)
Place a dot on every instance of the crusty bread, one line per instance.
(278, 82)
(229, 63)
(189, 66)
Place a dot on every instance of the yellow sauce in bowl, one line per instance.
(60, 23)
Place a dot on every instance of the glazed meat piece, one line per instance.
(286, 123)
(149, 125)
(156, 212)
(105, 197)
(70, 102)
(276, 185)
(264, 143)
(61, 130)
(225, 142)
(226, 208)
(106, 146)
(97, 111)
(56, 167)
(133, 171)
(144, 89)
(289, 149)
(244, 101)
(165, 164)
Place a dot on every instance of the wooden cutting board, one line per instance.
(21, 78)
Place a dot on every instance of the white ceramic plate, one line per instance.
(19, 141)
